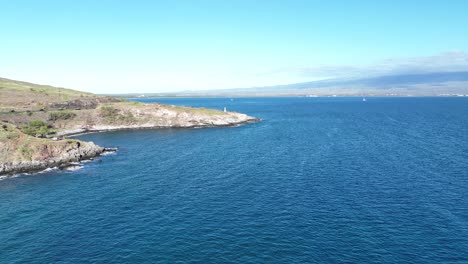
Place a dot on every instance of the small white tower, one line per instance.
(225, 110)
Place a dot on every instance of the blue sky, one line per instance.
(153, 46)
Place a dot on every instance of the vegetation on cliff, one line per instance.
(61, 115)
(20, 152)
(36, 128)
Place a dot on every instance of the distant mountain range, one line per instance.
(382, 82)
(420, 84)
(439, 83)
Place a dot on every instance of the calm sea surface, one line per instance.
(319, 180)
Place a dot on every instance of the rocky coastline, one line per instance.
(62, 154)
(147, 126)
(43, 154)
(37, 121)
(72, 158)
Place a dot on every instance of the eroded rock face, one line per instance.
(155, 116)
(52, 155)
(182, 120)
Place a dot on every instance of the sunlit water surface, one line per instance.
(319, 180)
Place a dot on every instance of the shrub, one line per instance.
(25, 152)
(12, 136)
(114, 115)
(36, 128)
(127, 118)
(108, 111)
(61, 115)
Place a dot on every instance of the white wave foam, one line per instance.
(108, 153)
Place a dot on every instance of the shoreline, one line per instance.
(129, 128)
(90, 153)
(37, 167)
(34, 167)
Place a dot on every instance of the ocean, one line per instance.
(319, 180)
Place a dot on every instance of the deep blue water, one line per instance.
(319, 180)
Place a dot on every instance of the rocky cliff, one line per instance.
(21, 153)
(132, 115)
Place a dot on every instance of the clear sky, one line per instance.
(112, 46)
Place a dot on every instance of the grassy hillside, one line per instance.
(63, 110)
(20, 95)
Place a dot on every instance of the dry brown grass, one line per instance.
(28, 96)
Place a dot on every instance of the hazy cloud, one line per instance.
(443, 62)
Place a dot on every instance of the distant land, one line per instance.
(415, 84)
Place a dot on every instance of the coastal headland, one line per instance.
(35, 121)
